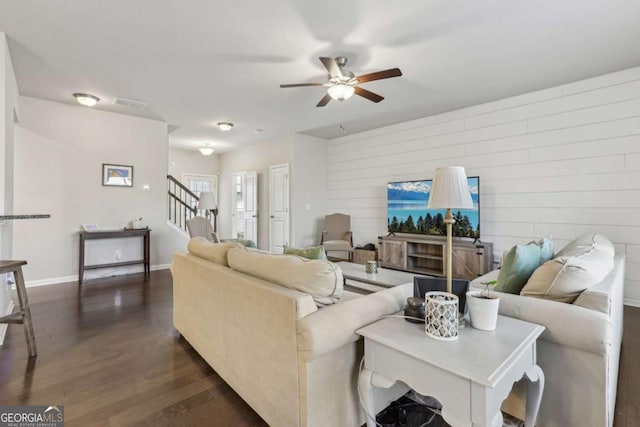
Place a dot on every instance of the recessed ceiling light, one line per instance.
(86, 99)
(225, 126)
(206, 150)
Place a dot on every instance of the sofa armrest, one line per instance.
(334, 326)
(566, 324)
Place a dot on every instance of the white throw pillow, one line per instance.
(581, 264)
(320, 279)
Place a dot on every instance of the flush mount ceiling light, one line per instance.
(225, 126)
(86, 99)
(206, 150)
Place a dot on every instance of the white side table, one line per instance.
(470, 376)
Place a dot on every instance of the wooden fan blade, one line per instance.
(379, 75)
(302, 84)
(331, 66)
(324, 101)
(368, 94)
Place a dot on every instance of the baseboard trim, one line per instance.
(51, 281)
(74, 278)
(4, 326)
(633, 302)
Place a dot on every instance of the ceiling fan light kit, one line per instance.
(225, 126)
(86, 99)
(342, 84)
(341, 91)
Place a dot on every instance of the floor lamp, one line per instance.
(208, 204)
(449, 190)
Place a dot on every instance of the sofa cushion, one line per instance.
(320, 279)
(312, 252)
(588, 243)
(214, 252)
(584, 262)
(517, 267)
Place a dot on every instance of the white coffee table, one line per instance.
(470, 376)
(384, 278)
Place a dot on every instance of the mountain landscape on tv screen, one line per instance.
(407, 211)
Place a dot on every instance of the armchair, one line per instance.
(200, 226)
(337, 238)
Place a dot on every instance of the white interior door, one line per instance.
(244, 224)
(251, 206)
(278, 208)
(238, 203)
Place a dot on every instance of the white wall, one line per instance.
(192, 162)
(8, 105)
(307, 159)
(8, 108)
(308, 190)
(59, 153)
(558, 162)
(255, 157)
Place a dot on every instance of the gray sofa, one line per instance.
(295, 364)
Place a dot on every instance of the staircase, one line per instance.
(183, 203)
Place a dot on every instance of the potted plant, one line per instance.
(483, 307)
(137, 223)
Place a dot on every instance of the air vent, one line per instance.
(130, 103)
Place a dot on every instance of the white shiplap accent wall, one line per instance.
(557, 162)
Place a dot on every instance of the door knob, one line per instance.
(271, 216)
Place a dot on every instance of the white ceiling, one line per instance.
(198, 62)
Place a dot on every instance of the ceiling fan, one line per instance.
(342, 84)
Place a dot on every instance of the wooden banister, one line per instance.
(183, 203)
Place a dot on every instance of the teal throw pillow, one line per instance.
(247, 243)
(312, 252)
(546, 248)
(519, 264)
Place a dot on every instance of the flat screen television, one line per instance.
(407, 210)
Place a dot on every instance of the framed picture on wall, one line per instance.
(117, 175)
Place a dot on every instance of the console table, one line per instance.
(145, 233)
(470, 376)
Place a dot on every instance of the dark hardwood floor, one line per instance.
(110, 355)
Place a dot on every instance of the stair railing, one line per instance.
(183, 203)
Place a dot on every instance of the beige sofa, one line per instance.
(579, 351)
(295, 364)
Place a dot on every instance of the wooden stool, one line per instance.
(24, 314)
